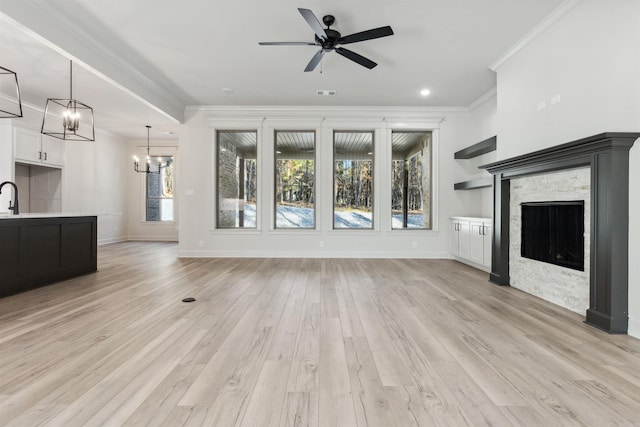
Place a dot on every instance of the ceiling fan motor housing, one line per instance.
(331, 41)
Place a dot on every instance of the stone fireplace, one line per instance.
(605, 159)
(566, 287)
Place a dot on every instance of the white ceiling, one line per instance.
(141, 62)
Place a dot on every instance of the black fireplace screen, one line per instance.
(553, 232)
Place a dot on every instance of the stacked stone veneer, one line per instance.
(227, 185)
(562, 286)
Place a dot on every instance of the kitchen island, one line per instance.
(39, 249)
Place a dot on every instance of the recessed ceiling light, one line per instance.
(425, 92)
(227, 90)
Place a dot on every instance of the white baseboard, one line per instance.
(168, 238)
(309, 254)
(634, 328)
(472, 264)
(111, 240)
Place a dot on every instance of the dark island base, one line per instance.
(38, 251)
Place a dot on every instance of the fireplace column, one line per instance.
(608, 300)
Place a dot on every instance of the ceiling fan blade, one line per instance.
(287, 44)
(313, 23)
(375, 33)
(355, 57)
(314, 61)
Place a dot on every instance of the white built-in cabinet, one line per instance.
(35, 148)
(470, 240)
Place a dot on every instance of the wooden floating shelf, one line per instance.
(474, 183)
(478, 149)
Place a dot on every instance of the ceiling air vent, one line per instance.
(326, 92)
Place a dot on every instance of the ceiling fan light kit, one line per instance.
(330, 40)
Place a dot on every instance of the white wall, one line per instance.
(590, 60)
(138, 228)
(198, 236)
(482, 125)
(94, 177)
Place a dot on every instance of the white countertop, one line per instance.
(9, 215)
(472, 218)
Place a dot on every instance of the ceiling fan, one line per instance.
(329, 40)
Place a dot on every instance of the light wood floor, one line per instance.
(295, 342)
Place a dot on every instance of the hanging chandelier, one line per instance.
(136, 160)
(9, 107)
(62, 117)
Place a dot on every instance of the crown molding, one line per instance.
(540, 28)
(57, 28)
(483, 98)
(305, 110)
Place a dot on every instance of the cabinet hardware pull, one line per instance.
(39, 155)
(45, 155)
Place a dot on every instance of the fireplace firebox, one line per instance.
(553, 232)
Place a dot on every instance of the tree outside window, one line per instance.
(295, 179)
(411, 180)
(353, 180)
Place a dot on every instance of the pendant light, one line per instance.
(63, 117)
(10, 108)
(147, 169)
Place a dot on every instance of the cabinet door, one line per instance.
(52, 150)
(454, 247)
(488, 237)
(27, 144)
(464, 240)
(476, 242)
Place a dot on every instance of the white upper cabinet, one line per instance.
(34, 148)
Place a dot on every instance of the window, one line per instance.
(411, 180)
(160, 190)
(237, 185)
(295, 179)
(353, 180)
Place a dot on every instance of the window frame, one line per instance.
(216, 159)
(147, 198)
(413, 152)
(371, 131)
(275, 178)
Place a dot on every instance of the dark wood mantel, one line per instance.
(607, 154)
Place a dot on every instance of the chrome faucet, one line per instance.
(16, 207)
